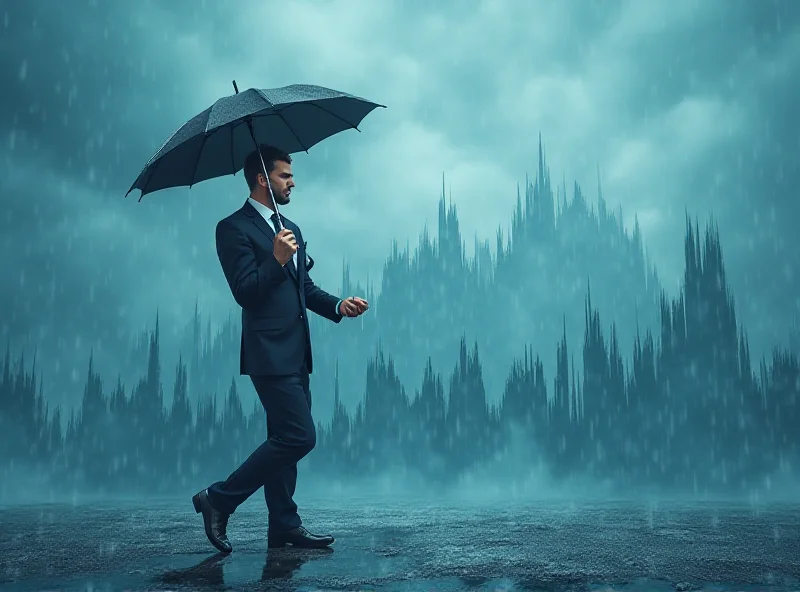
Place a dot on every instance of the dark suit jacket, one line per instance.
(275, 335)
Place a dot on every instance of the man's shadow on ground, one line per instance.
(280, 564)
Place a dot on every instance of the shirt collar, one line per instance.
(265, 212)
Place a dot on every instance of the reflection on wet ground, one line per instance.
(280, 564)
(408, 546)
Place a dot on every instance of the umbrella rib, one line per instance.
(159, 161)
(150, 176)
(286, 123)
(150, 173)
(355, 127)
(197, 161)
(289, 127)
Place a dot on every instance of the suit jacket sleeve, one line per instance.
(249, 282)
(320, 302)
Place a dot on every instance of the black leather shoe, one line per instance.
(216, 523)
(299, 537)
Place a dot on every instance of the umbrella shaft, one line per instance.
(271, 195)
(266, 175)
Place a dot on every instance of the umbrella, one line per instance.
(216, 142)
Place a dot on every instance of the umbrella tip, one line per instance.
(236, 88)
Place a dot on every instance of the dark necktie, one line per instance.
(290, 265)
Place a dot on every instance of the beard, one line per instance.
(280, 197)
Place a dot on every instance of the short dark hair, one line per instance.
(252, 164)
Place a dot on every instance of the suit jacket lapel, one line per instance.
(259, 221)
(269, 232)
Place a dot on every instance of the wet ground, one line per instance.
(407, 546)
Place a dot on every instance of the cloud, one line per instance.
(91, 245)
(675, 141)
(680, 104)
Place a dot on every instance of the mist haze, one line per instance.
(541, 175)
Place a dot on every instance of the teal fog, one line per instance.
(575, 228)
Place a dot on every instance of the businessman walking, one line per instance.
(266, 270)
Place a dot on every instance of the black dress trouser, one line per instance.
(273, 465)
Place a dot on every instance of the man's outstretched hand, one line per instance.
(353, 306)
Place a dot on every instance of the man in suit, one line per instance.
(267, 271)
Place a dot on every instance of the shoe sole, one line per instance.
(281, 545)
(198, 508)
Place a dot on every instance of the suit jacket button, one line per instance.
(301, 316)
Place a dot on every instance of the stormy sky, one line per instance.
(683, 105)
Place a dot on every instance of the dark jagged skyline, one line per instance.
(535, 279)
(540, 273)
(79, 259)
(690, 414)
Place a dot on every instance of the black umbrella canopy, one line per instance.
(216, 142)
